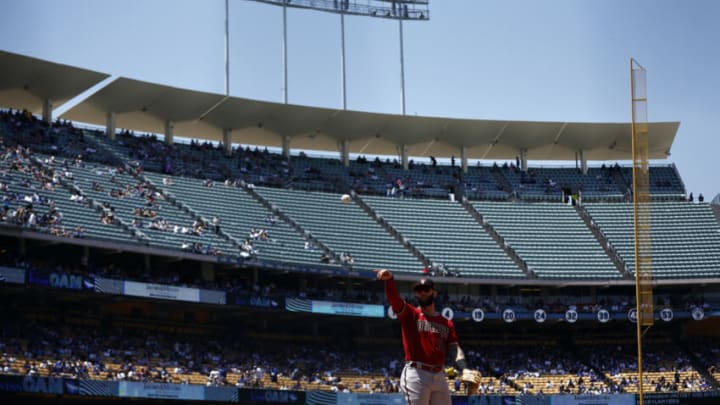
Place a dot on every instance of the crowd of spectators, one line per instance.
(210, 162)
(619, 360)
(24, 187)
(227, 359)
(60, 138)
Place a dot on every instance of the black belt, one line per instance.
(427, 367)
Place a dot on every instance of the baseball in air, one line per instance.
(345, 198)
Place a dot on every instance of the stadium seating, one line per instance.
(481, 184)
(57, 139)
(239, 217)
(446, 234)
(97, 182)
(73, 216)
(344, 228)
(551, 238)
(317, 174)
(665, 182)
(685, 237)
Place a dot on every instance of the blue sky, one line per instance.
(558, 60)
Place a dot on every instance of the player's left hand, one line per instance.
(472, 379)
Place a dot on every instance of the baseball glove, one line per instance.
(471, 378)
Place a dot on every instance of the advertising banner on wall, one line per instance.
(12, 275)
(271, 397)
(221, 394)
(39, 385)
(98, 388)
(616, 399)
(161, 291)
(108, 285)
(369, 399)
(171, 292)
(158, 390)
(213, 297)
(492, 400)
(55, 279)
(334, 308)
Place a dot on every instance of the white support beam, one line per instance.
(227, 141)
(73, 102)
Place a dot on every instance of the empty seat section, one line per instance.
(447, 234)
(344, 228)
(551, 238)
(685, 237)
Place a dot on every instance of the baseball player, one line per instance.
(427, 339)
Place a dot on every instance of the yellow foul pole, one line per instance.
(641, 211)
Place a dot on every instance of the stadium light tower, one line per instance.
(400, 10)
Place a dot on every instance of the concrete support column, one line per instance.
(345, 152)
(47, 110)
(207, 271)
(85, 259)
(286, 146)
(22, 246)
(227, 141)
(583, 162)
(404, 156)
(523, 159)
(169, 132)
(545, 294)
(349, 286)
(110, 126)
(463, 159)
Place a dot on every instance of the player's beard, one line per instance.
(426, 301)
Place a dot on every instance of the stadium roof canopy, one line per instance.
(148, 107)
(27, 82)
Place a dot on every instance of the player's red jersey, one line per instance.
(425, 338)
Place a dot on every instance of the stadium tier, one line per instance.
(685, 237)
(550, 238)
(241, 217)
(135, 203)
(448, 235)
(665, 182)
(36, 199)
(139, 190)
(344, 228)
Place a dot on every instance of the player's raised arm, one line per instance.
(391, 292)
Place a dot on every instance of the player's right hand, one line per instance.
(383, 274)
